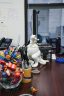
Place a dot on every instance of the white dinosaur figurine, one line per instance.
(34, 53)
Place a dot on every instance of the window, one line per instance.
(48, 17)
(44, 1)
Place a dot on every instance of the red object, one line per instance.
(9, 64)
(17, 74)
(13, 67)
(2, 62)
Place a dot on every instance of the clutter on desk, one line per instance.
(27, 69)
(34, 53)
(5, 43)
(33, 89)
(60, 60)
(15, 67)
(11, 73)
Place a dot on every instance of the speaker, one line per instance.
(58, 45)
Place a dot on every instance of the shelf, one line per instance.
(46, 5)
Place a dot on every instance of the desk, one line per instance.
(45, 49)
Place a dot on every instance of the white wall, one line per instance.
(12, 20)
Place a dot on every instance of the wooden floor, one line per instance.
(50, 82)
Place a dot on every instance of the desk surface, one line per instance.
(50, 82)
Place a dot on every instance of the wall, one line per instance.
(12, 20)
